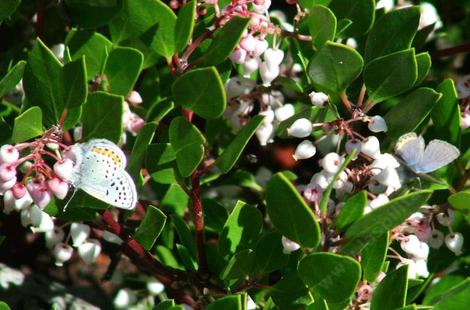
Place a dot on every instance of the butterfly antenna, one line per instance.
(70, 199)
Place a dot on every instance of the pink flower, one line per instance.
(58, 187)
(64, 169)
(7, 172)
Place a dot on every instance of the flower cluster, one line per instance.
(463, 89)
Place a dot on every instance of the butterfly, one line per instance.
(100, 172)
(437, 153)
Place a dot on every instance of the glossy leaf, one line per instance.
(337, 278)
(269, 254)
(187, 143)
(27, 125)
(460, 200)
(360, 12)
(150, 227)
(185, 235)
(289, 212)
(389, 215)
(122, 69)
(392, 32)
(185, 25)
(12, 78)
(136, 160)
(446, 113)
(228, 302)
(241, 229)
(161, 163)
(290, 292)
(239, 266)
(230, 155)
(215, 215)
(92, 14)
(390, 75)
(423, 61)
(7, 8)
(102, 117)
(225, 40)
(75, 86)
(334, 67)
(373, 257)
(201, 91)
(391, 292)
(352, 210)
(419, 103)
(321, 25)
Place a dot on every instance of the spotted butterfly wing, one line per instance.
(410, 148)
(438, 153)
(100, 173)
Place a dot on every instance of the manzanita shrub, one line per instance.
(242, 154)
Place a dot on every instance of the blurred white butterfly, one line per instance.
(437, 153)
(99, 171)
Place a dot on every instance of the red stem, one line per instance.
(451, 51)
(198, 220)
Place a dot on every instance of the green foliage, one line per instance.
(122, 69)
(391, 292)
(27, 125)
(150, 227)
(322, 25)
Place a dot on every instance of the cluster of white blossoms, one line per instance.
(126, 298)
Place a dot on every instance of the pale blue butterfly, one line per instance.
(437, 154)
(100, 172)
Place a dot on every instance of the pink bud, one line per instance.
(8, 202)
(251, 65)
(40, 193)
(248, 43)
(7, 172)
(19, 190)
(8, 154)
(364, 292)
(7, 185)
(136, 125)
(58, 187)
(64, 168)
(261, 47)
(238, 56)
(134, 98)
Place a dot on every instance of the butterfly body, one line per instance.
(100, 171)
(425, 159)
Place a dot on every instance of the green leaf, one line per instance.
(152, 21)
(390, 75)
(93, 14)
(460, 200)
(27, 125)
(391, 292)
(334, 67)
(373, 257)
(150, 227)
(122, 69)
(232, 302)
(360, 12)
(202, 91)
(423, 61)
(185, 235)
(187, 143)
(159, 110)
(225, 40)
(161, 163)
(290, 214)
(290, 292)
(269, 255)
(389, 215)
(12, 78)
(230, 155)
(102, 117)
(215, 214)
(446, 113)
(352, 210)
(4, 306)
(335, 280)
(188, 260)
(419, 103)
(241, 229)
(239, 266)
(185, 25)
(75, 85)
(446, 284)
(321, 24)
(136, 160)
(7, 8)
(393, 32)
(93, 45)
(165, 304)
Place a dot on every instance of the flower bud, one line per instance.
(320, 180)
(238, 56)
(39, 193)
(58, 187)
(304, 150)
(445, 219)
(155, 287)
(375, 187)
(370, 146)
(136, 125)
(353, 144)
(54, 237)
(8, 154)
(284, 112)
(377, 124)
(64, 169)
(19, 190)
(89, 250)
(78, 133)
(25, 217)
(261, 47)
(237, 86)
(454, 241)
(7, 172)
(248, 43)
(465, 121)
(53, 146)
(62, 253)
(331, 162)
(251, 65)
(388, 177)
(7, 185)
(264, 133)
(318, 99)
(436, 240)
(124, 299)
(134, 98)
(289, 246)
(268, 74)
(79, 233)
(379, 201)
(40, 220)
(268, 116)
(23, 202)
(262, 6)
(364, 292)
(273, 57)
(8, 202)
(301, 128)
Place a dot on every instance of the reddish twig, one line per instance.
(198, 220)
(463, 48)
